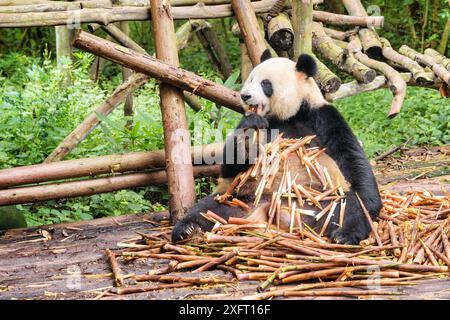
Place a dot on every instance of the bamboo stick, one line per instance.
(118, 277)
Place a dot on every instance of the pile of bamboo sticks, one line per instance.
(409, 241)
(304, 179)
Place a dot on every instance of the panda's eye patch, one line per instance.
(267, 87)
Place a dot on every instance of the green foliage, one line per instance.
(424, 119)
(86, 208)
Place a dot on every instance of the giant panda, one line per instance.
(281, 95)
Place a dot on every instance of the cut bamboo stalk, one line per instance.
(180, 174)
(327, 80)
(250, 29)
(180, 78)
(118, 277)
(93, 186)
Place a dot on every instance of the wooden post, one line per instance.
(180, 174)
(63, 50)
(302, 15)
(250, 30)
(127, 73)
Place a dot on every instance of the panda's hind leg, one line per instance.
(193, 223)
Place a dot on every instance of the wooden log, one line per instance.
(214, 50)
(396, 82)
(92, 186)
(250, 29)
(118, 35)
(438, 58)
(106, 16)
(302, 15)
(50, 6)
(183, 34)
(336, 34)
(246, 63)
(418, 73)
(214, 45)
(354, 87)
(369, 38)
(330, 50)
(427, 61)
(327, 80)
(91, 121)
(180, 174)
(126, 74)
(344, 20)
(110, 164)
(180, 78)
(280, 32)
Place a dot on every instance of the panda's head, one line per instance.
(278, 86)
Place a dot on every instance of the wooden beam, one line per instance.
(250, 30)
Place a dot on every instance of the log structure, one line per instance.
(286, 28)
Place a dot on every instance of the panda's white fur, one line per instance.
(287, 100)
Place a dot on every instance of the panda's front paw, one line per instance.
(185, 229)
(253, 121)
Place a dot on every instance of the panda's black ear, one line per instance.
(266, 55)
(307, 65)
